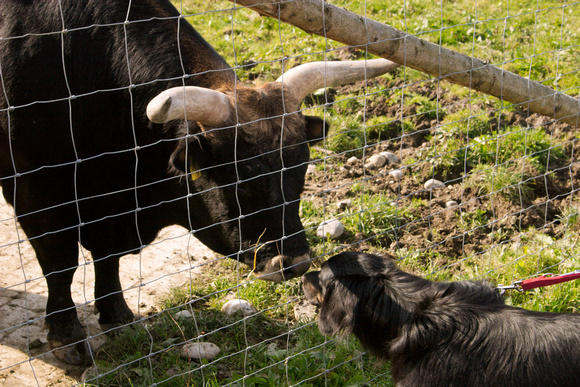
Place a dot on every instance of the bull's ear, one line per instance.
(316, 129)
(190, 155)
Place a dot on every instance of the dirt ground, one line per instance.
(25, 358)
(434, 226)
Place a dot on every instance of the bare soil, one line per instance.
(25, 358)
(434, 226)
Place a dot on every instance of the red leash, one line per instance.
(543, 280)
(548, 279)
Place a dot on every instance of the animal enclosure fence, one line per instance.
(452, 183)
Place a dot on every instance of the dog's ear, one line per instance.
(336, 316)
(312, 288)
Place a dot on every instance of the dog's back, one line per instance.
(489, 346)
(443, 334)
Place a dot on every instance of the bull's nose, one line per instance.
(283, 267)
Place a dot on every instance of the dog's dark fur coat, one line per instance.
(442, 334)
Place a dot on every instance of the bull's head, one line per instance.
(245, 153)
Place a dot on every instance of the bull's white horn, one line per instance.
(207, 106)
(304, 79)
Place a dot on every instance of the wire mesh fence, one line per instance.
(226, 188)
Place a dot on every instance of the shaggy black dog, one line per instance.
(442, 334)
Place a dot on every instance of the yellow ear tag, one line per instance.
(194, 172)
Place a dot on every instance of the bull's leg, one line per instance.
(108, 293)
(58, 257)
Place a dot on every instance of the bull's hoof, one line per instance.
(68, 340)
(79, 353)
(282, 268)
(111, 322)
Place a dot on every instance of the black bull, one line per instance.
(81, 162)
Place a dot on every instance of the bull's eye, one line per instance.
(242, 189)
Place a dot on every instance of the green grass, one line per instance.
(536, 253)
(467, 123)
(269, 348)
(470, 140)
(375, 216)
(501, 179)
(533, 145)
(570, 216)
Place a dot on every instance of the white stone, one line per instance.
(89, 374)
(451, 203)
(352, 161)
(319, 92)
(396, 174)
(332, 228)
(344, 204)
(184, 314)
(311, 169)
(391, 157)
(304, 311)
(375, 162)
(433, 183)
(200, 351)
(238, 305)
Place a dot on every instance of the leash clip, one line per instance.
(514, 286)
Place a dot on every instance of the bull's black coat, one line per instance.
(80, 161)
(443, 333)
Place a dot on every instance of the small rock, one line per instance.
(396, 174)
(319, 92)
(200, 351)
(391, 157)
(184, 314)
(451, 204)
(322, 150)
(311, 169)
(344, 204)
(376, 161)
(89, 374)
(433, 183)
(238, 305)
(304, 311)
(249, 63)
(330, 229)
(352, 161)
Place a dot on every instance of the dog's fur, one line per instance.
(442, 333)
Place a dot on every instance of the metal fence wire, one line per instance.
(129, 145)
